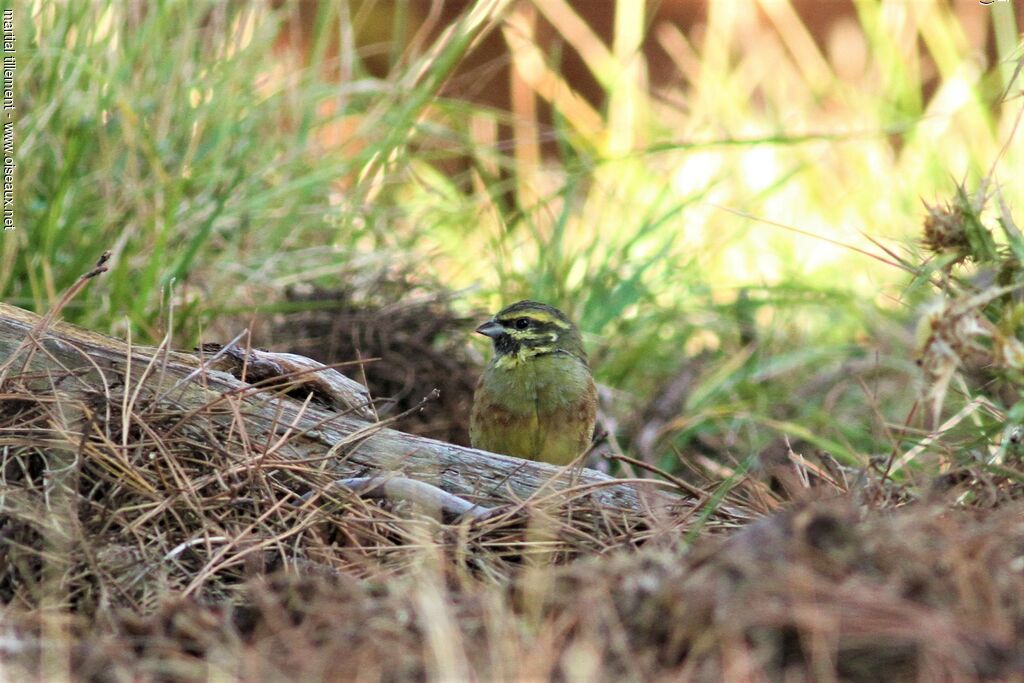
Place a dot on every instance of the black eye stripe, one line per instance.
(519, 322)
(524, 323)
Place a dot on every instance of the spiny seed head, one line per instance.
(945, 228)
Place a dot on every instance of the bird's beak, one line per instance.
(492, 328)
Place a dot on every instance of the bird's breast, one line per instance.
(541, 384)
(542, 409)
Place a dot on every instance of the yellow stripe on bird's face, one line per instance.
(538, 315)
(521, 355)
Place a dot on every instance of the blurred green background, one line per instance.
(728, 196)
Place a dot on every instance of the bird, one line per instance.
(536, 398)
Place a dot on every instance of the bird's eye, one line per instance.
(522, 323)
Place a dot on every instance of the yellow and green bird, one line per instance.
(536, 399)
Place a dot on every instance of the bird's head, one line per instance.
(528, 328)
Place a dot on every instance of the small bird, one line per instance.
(536, 399)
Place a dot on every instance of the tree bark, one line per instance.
(65, 360)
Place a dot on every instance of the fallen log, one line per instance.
(51, 357)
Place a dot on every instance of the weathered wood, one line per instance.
(86, 361)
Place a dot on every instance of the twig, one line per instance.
(685, 486)
(403, 488)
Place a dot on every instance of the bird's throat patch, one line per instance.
(520, 355)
